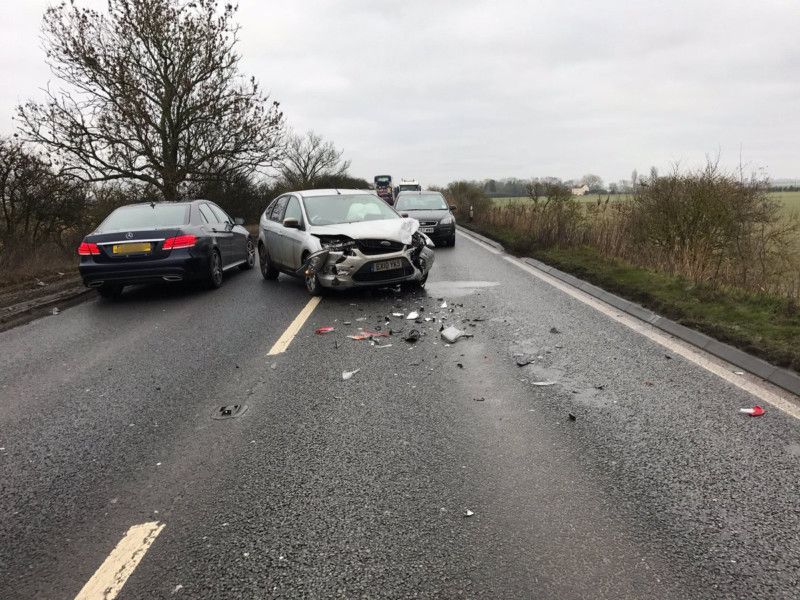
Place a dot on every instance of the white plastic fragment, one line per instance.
(543, 383)
(398, 315)
(444, 304)
(348, 374)
(56, 310)
(177, 589)
(412, 315)
(468, 513)
(451, 334)
(738, 372)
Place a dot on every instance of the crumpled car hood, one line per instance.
(396, 230)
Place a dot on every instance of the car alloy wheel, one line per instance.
(215, 269)
(251, 255)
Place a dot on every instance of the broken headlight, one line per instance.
(336, 243)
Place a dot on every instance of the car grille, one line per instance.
(365, 273)
(378, 246)
(428, 223)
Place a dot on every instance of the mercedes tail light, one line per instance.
(180, 241)
(88, 249)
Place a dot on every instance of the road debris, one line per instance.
(572, 417)
(413, 336)
(460, 365)
(412, 315)
(399, 315)
(756, 411)
(452, 334)
(348, 374)
(56, 310)
(367, 335)
(468, 513)
(543, 383)
(481, 399)
(554, 330)
(381, 345)
(177, 588)
(444, 305)
(738, 372)
(523, 360)
(323, 330)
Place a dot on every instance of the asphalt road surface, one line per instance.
(114, 469)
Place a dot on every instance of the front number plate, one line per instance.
(427, 229)
(141, 248)
(388, 265)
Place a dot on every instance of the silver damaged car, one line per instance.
(341, 239)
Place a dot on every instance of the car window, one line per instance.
(280, 207)
(209, 216)
(420, 202)
(270, 207)
(293, 210)
(222, 216)
(145, 216)
(345, 208)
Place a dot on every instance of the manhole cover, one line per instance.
(231, 411)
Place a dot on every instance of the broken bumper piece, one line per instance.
(349, 269)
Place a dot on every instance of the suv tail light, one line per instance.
(180, 241)
(88, 249)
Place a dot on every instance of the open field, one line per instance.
(791, 200)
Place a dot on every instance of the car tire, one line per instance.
(214, 276)
(313, 286)
(110, 291)
(268, 270)
(452, 241)
(250, 260)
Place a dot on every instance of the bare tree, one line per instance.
(152, 93)
(310, 158)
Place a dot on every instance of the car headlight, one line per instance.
(448, 220)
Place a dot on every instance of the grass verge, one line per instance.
(765, 326)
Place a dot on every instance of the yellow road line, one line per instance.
(283, 342)
(108, 580)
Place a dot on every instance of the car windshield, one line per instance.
(383, 180)
(420, 202)
(146, 216)
(330, 210)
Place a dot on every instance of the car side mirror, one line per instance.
(291, 223)
(238, 221)
(404, 215)
(453, 207)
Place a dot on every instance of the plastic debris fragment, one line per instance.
(323, 330)
(572, 417)
(543, 383)
(451, 334)
(444, 305)
(554, 330)
(56, 310)
(348, 374)
(523, 360)
(398, 315)
(413, 336)
(412, 315)
(468, 513)
(756, 411)
(366, 335)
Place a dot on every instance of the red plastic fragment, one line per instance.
(756, 411)
(321, 330)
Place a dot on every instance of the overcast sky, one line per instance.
(443, 90)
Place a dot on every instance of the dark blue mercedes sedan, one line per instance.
(164, 241)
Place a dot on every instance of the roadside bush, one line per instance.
(466, 194)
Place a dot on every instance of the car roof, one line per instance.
(332, 192)
(419, 192)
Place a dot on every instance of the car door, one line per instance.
(237, 241)
(276, 238)
(293, 239)
(223, 234)
(212, 226)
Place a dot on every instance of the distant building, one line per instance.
(580, 191)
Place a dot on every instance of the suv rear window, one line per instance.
(145, 216)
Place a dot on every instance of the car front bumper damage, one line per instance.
(350, 268)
